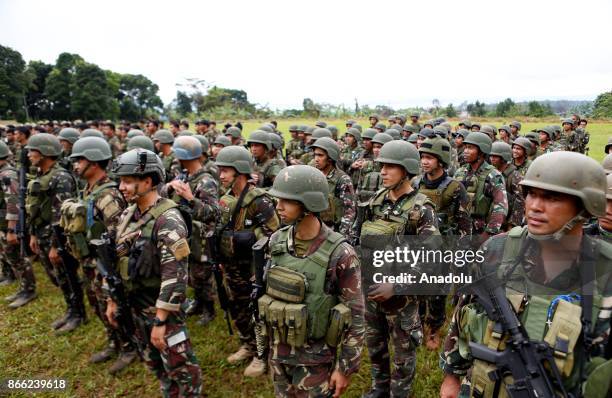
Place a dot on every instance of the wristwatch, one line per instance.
(159, 322)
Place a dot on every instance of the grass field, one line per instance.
(31, 350)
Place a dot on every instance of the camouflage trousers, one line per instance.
(403, 327)
(176, 367)
(238, 279)
(20, 267)
(201, 280)
(301, 381)
(432, 310)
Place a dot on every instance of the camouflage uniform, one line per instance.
(568, 141)
(514, 193)
(348, 155)
(369, 181)
(171, 165)
(115, 145)
(164, 237)
(267, 169)
(211, 168)
(341, 215)
(522, 168)
(211, 135)
(293, 147)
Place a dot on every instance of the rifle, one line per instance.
(217, 273)
(104, 252)
(70, 263)
(23, 191)
(526, 360)
(260, 264)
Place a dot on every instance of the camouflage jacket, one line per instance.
(343, 279)
(267, 169)
(348, 155)
(171, 165)
(568, 141)
(344, 195)
(211, 168)
(108, 206)
(10, 195)
(115, 145)
(514, 193)
(522, 168)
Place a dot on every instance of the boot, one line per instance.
(376, 393)
(256, 368)
(243, 353)
(123, 361)
(22, 299)
(208, 314)
(74, 321)
(58, 323)
(13, 297)
(106, 354)
(6, 280)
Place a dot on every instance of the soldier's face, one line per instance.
(367, 144)
(350, 140)
(216, 149)
(130, 186)
(321, 159)
(66, 145)
(35, 157)
(567, 127)
(543, 137)
(373, 121)
(547, 212)
(583, 124)
(414, 119)
(496, 161)
(257, 150)
(459, 140)
(288, 210)
(518, 152)
(227, 175)
(470, 153)
(606, 221)
(376, 149)
(513, 130)
(10, 137)
(391, 174)
(80, 167)
(429, 163)
(475, 128)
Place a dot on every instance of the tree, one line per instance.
(310, 108)
(13, 84)
(93, 93)
(537, 109)
(450, 111)
(504, 108)
(602, 107)
(38, 105)
(137, 96)
(59, 85)
(477, 109)
(183, 103)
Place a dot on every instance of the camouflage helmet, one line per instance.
(275, 140)
(134, 133)
(368, 134)
(237, 157)
(92, 133)
(380, 126)
(515, 124)
(401, 153)
(427, 133)
(608, 145)
(94, 149)
(533, 137)
(438, 147)
(357, 127)
(397, 127)
(413, 138)
(69, 134)
(320, 133)
(394, 133)
(355, 133)
(203, 142)
(505, 128)
(139, 162)
(222, 140)
(304, 184)
(260, 137)
(609, 186)
(481, 140)
(266, 128)
(570, 173)
(607, 163)
(463, 133)
(524, 143)
(321, 124)
(187, 148)
(4, 150)
(46, 144)
(329, 146)
(163, 136)
(140, 141)
(466, 123)
(381, 138)
(440, 131)
(234, 131)
(501, 149)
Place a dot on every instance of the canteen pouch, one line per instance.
(286, 285)
(296, 317)
(263, 305)
(339, 322)
(276, 319)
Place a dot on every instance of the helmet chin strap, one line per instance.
(579, 218)
(139, 195)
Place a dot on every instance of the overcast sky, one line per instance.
(397, 53)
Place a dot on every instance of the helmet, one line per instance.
(502, 149)
(477, 124)
(187, 148)
(481, 140)
(427, 133)
(293, 128)
(608, 145)
(440, 131)
(260, 137)
(394, 133)
(321, 124)
(309, 130)
(333, 130)
(358, 127)
(222, 140)
(381, 138)
(380, 126)
(350, 122)
(69, 134)
(415, 114)
(489, 130)
(140, 142)
(533, 137)
(320, 133)
(4, 150)
(235, 132)
(567, 121)
(396, 126)
(516, 124)
(609, 184)
(438, 147)
(163, 136)
(505, 128)
(92, 133)
(429, 123)
(330, 146)
(607, 163)
(355, 133)
(139, 162)
(134, 133)
(401, 153)
(185, 132)
(203, 142)
(93, 149)
(524, 143)
(275, 140)
(302, 128)
(466, 123)
(266, 128)
(413, 138)
(447, 125)
(374, 116)
(237, 157)
(570, 173)
(463, 132)
(46, 144)
(304, 184)
(410, 128)
(369, 134)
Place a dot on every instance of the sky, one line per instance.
(395, 53)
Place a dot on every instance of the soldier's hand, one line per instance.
(255, 178)
(338, 382)
(11, 238)
(450, 386)
(182, 189)
(381, 292)
(111, 309)
(54, 256)
(158, 334)
(34, 244)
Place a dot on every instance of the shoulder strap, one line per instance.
(250, 196)
(512, 250)
(445, 183)
(232, 221)
(162, 207)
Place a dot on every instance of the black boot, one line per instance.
(58, 323)
(22, 299)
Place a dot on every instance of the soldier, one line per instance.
(152, 248)
(140, 142)
(198, 193)
(9, 216)
(500, 158)
(111, 137)
(235, 135)
(476, 126)
(414, 120)
(318, 359)
(247, 214)
(46, 193)
(549, 269)
(521, 148)
(380, 127)
(294, 143)
(534, 137)
(104, 204)
(163, 140)
(425, 133)
(220, 143)
(485, 186)
(307, 156)
(373, 119)
(340, 214)
(459, 138)
(603, 226)
(369, 176)
(394, 133)
(515, 129)
(151, 128)
(352, 150)
(277, 148)
(547, 143)
(504, 134)
(207, 164)
(408, 130)
(397, 209)
(568, 140)
(265, 169)
(366, 154)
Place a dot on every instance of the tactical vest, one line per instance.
(296, 307)
(561, 329)
(368, 186)
(78, 220)
(480, 204)
(6, 183)
(333, 214)
(442, 195)
(38, 201)
(263, 169)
